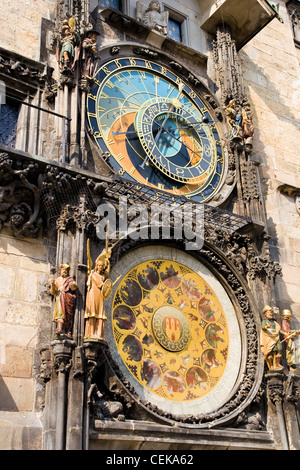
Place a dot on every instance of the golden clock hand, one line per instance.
(158, 134)
(119, 133)
(176, 139)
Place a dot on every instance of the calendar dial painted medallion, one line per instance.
(173, 331)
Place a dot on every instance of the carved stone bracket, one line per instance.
(275, 386)
(14, 65)
(62, 353)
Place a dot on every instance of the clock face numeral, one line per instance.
(151, 123)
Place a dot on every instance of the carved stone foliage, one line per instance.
(62, 355)
(248, 260)
(275, 386)
(19, 198)
(80, 215)
(250, 183)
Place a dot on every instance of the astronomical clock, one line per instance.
(154, 129)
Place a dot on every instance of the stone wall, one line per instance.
(272, 78)
(24, 317)
(20, 25)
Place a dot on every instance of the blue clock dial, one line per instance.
(154, 129)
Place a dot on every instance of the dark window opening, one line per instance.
(175, 30)
(116, 4)
(8, 121)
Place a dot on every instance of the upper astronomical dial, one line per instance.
(154, 129)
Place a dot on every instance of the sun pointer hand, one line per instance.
(159, 133)
(174, 137)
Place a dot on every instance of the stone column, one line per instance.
(275, 388)
(292, 409)
(92, 352)
(62, 353)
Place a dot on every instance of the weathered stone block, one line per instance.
(26, 286)
(7, 281)
(22, 313)
(16, 394)
(18, 362)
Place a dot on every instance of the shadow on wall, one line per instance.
(277, 251)
(270, 92)
(7, 403)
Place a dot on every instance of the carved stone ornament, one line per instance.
(81, 216)
(291, 191)
(15, 65)
(19, 198)
(275, 386)
(45, 370)
(152, 16)
(227, 65)
(62, 353)
(294, 11)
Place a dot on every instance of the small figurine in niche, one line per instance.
(247, 126)
(289, 339)
(99, 289)
(234, 120)
(153, 17)
(67, 52)
(270, 340)
(63, 288)
(88, 54)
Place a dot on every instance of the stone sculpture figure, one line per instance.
(247, 125)
(67, 48)
(88, 54)
(270, 340)
(153, 17)
(95, 316)
(63, 288)
(289, 339)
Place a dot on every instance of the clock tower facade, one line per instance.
(143, 208)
